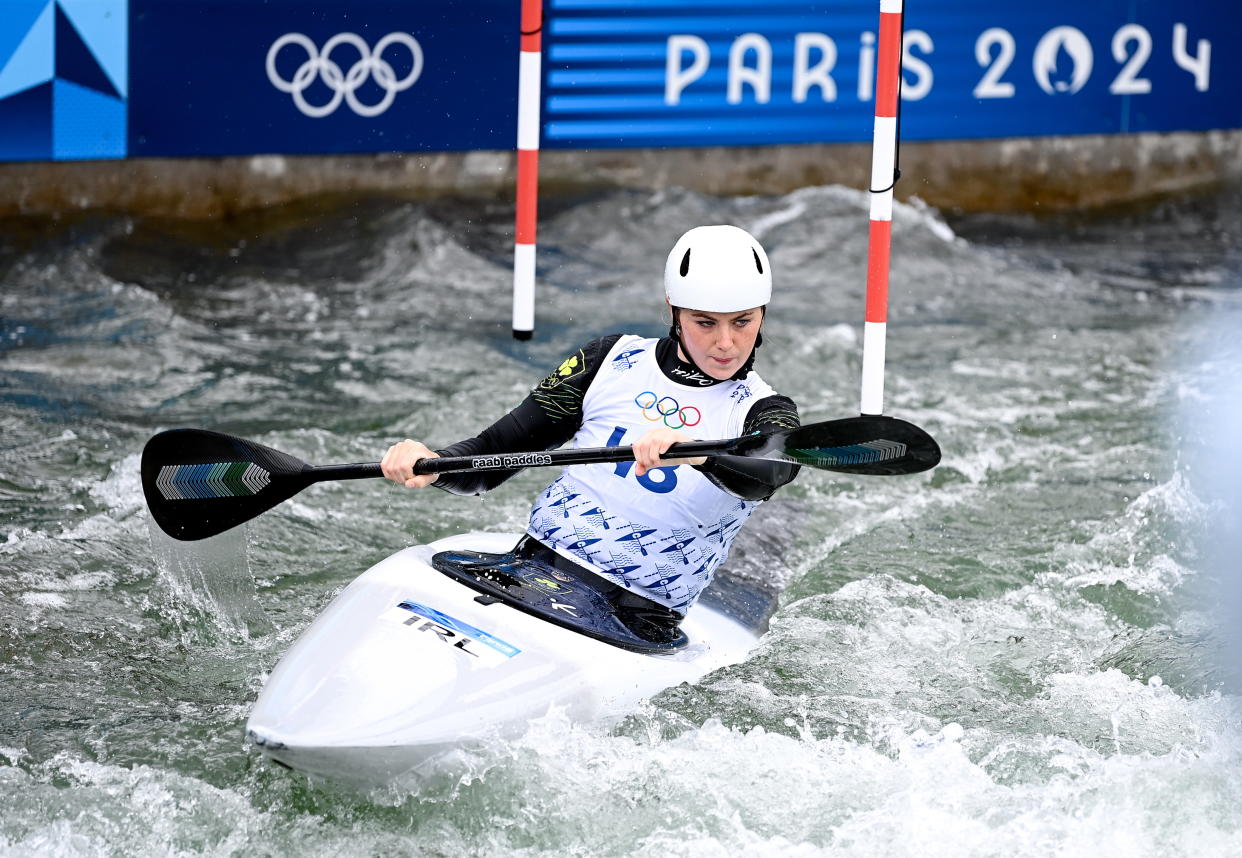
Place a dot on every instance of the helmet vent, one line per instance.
(685, 263)
(758, 264)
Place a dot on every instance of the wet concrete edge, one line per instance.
(1011, 175)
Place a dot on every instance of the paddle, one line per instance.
(199, 483)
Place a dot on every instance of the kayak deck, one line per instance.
(540, 581)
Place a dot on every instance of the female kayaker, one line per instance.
(659, 528)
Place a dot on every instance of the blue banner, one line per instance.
(117, 78)
(720, 72)
(232, 77)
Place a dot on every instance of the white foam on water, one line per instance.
(112, 810)
(1133, 549)
(718, 790)
(916, 209)
(761, 226)
(121, 490)
(80, 582)
(44, 600)
(832, 341)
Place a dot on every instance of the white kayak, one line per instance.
(409, 663)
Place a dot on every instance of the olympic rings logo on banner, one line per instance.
(319, 65)
(667, 408)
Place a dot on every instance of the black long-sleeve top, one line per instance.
(544, 421)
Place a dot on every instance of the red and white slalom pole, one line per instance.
(527, 169)
(883, 177)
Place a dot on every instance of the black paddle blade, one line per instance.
(869, 445)
(199, 483)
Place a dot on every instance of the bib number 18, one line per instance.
(659, 480)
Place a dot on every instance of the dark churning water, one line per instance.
(1027, 651)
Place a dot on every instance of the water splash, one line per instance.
(209, 585)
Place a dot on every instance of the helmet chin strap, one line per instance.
(674, 331)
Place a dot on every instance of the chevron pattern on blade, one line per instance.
(851, 454)
(212, 480)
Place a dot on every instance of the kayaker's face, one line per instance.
(719, 343)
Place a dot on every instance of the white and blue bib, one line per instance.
(663, 534)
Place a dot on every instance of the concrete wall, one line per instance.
(1028, 174)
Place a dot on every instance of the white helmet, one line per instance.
(717, 269)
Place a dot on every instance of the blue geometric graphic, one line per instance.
(28, 59)
(63, 79)
(87, 123)
(25, 118)
(74, 60)
(104, 27)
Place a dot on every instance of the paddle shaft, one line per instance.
(511, 461)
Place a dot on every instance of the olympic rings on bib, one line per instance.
(319, 65)
(666, 408)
